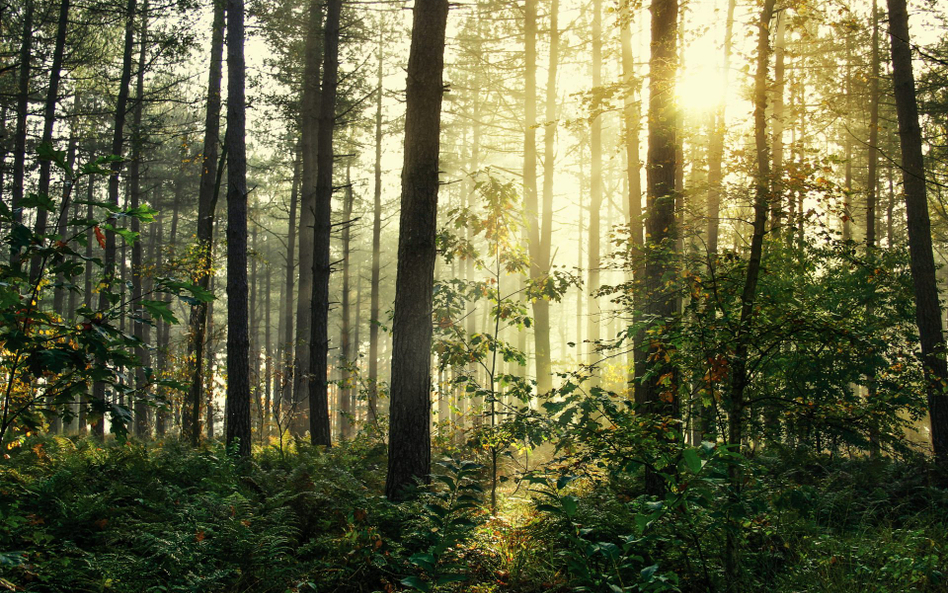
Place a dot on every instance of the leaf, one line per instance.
(38, 201)
(692, 460)
(46, 152)
(416, 583)
(159, 310)
(451, 578)
(570, 505)
(648, 572)
(130, 236)
(99, 236)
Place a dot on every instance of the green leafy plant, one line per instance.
(447, 518)
(50, 362)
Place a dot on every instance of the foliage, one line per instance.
(49, 361)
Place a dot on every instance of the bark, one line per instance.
(410, 427)
(776, 197)
(207, 202)
(238, 339)
(716, 143)
(309, 121)
(345, 391)
(872, 183)
(541, 308)
(49, 118)
(22, 110)
(595, 190)
(660, 390)
(922, 262)
(319, 421)
(286, 393)
(135, 183)
(268, 356)
(848, 147)
(118, 137)
(376, 248)
(872, 176)
(739, 367)
(630, 120)
(538, 267)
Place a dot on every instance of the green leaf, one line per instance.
(46, 152)
(144, 213)
(416, 583)
(570, 505)
(159, 310)
(38, 201)
(692, 460)
(648, 572)
(130, 236)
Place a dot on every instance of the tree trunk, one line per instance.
(716, 143)
(309, 122)
(595, 191)
(539, 267)
(118, 136)
(541, 308)
(286, 393)
(630, 121)
(238, 339)
(49, 118)
(776, 197)
(927, 307)
(135, 188)
(739, 371)
(207, 202)
(410, 427)
(345, 391)
(319, 421)
(376, 248)
(660, 394)
(22, 110)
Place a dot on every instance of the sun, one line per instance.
(700, 90)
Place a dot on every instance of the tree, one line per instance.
(319, 421)
(207, 202)
(409, 432)
(927, 306)
(309, 124)
(118, 140)
(238, 337)
(762, 196)
(661, 231)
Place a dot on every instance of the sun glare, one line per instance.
(700, 90)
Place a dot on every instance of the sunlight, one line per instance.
(700, 90)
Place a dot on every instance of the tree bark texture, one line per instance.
(927, 307)
(238, 336)
(409, 433)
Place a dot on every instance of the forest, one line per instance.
(484, 296)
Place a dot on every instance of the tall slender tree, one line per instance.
(118, 141)
(207, 202)
(238, 336)
(319, 421)
(376, 242)
(409, 440)
(927, 307)
(659, 392)
(309, 124)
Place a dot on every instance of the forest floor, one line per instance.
(77, 515)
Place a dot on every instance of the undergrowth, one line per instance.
(77, 515)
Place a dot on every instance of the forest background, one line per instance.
(681, 263)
